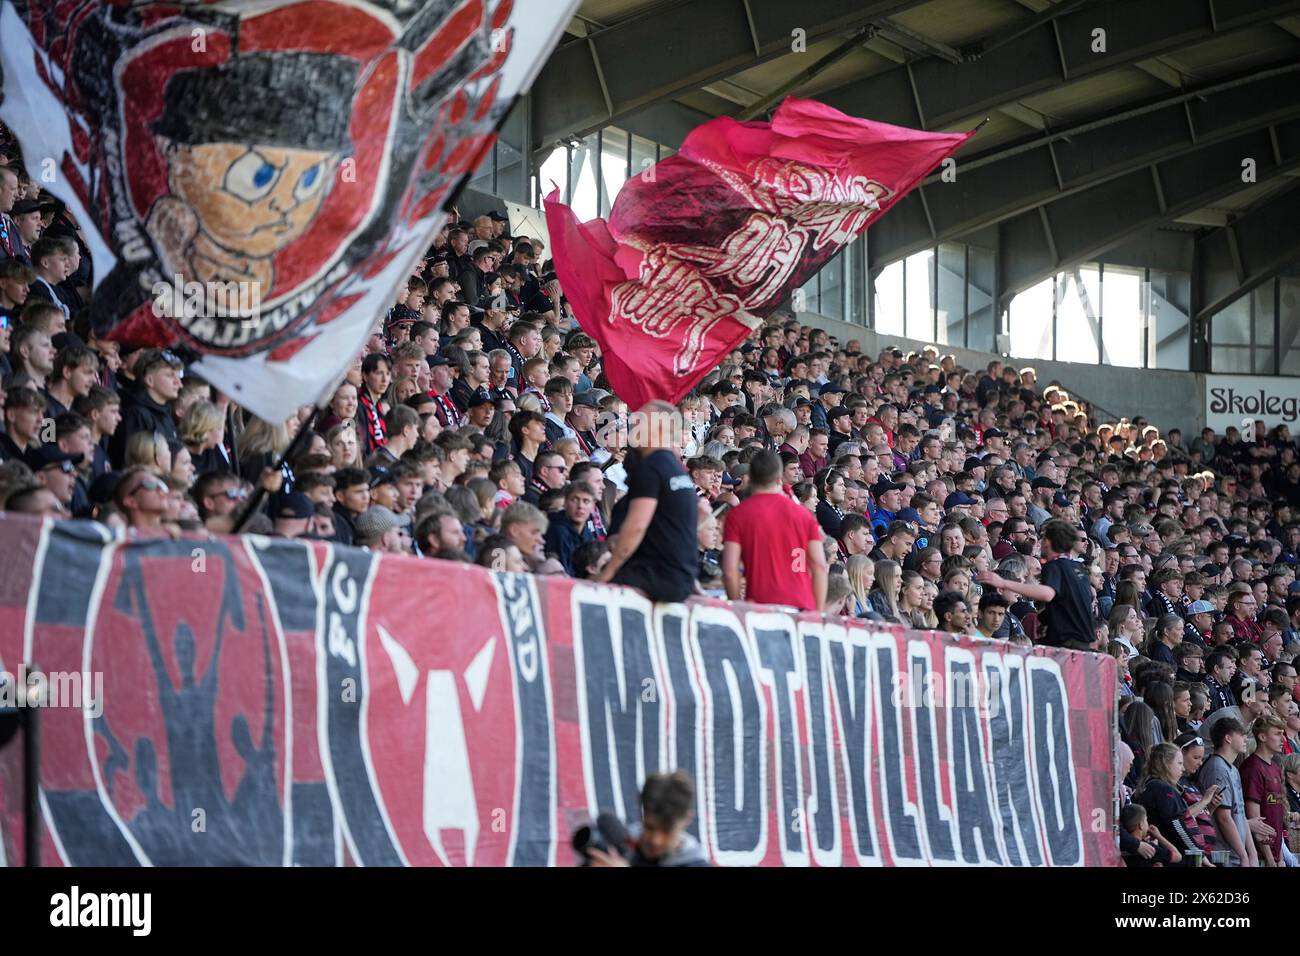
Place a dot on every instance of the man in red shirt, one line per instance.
(1261, 783)
(778, 542)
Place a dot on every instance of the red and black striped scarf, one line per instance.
(449, 409)
(375, 432)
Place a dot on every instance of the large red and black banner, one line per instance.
(267, 702)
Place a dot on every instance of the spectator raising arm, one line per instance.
(1027, 589)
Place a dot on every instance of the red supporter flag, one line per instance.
(699, 249)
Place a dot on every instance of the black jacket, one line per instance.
(343, 527)
(140, 413)
(562, 540)
(1220, 696)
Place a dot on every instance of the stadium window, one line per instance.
(1031, 320)
(855, 303)
(614, 151)
(1169, 341)
(485, 180)
(1231, 325)
(831, 290)
(585, 156)
(1123, 316)
(1264, 317)
(1230, 358)
(1288, 320)
(643, 155)
(951, 295)
(888, 290)
(981, 319)
(509, 182)
(919, 303)
(1078, 314)
(554, 171)
(1230, 338)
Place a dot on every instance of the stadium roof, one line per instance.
(1084, 150)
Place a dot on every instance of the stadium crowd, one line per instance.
(477, 426)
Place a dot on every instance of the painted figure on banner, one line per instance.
(243, 188)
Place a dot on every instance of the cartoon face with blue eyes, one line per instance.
(254, 176)
(253, 200)
(234, 205)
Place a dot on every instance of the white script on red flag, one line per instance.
(800, 209)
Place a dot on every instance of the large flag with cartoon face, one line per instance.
(254, 178)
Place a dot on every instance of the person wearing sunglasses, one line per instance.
(142, 497)
(218, 495)
(35, 500)
(56, 470)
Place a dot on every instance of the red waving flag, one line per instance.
(698, 250)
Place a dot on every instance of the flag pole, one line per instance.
(259, 493)
(453, 194)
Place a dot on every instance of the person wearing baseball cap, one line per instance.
(958, 503)
(1061, 507)
(976, 468)
(1200, 614)
(56, 470)
(480, 411)
(888, 502)
(148, 408)
(802, 408)
(829, 398)
(841, 426)
(995, 442)
(26, 217)
(381, 529)
(582, 418)
(291, 514)
(1040, 505)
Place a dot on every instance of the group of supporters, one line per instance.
(477, 425)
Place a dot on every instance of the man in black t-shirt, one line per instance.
(1064, 588)
(654, 544)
